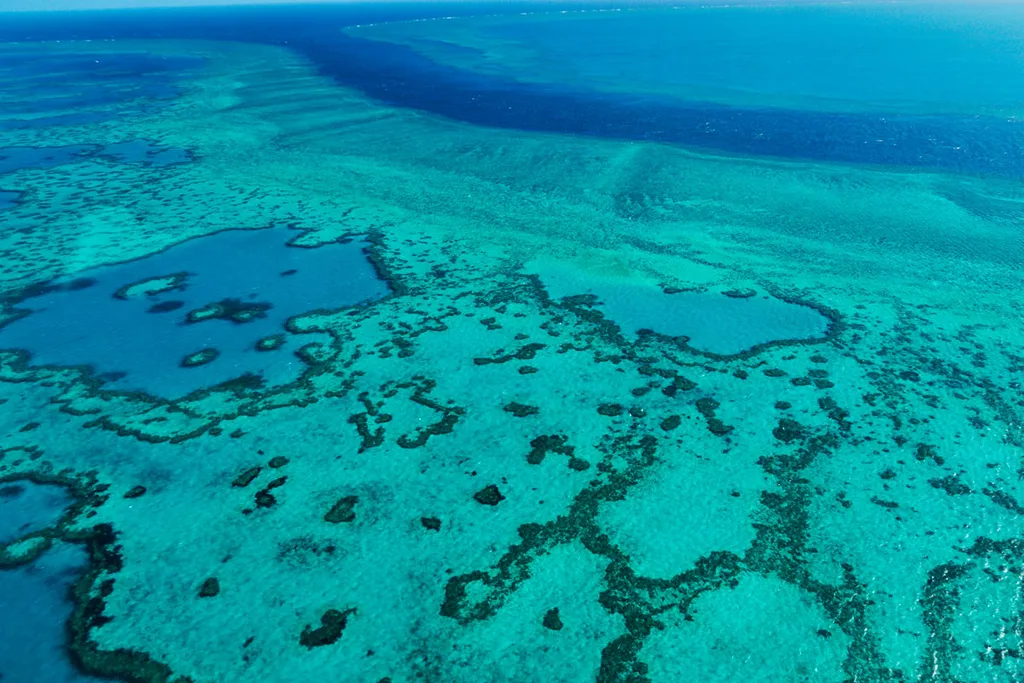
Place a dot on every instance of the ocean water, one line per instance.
(136, 324)
(726, 323)
(34, 635)
(8, 198)
(512, 342)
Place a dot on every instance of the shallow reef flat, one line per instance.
(488, 472)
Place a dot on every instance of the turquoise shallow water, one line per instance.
(475, 342)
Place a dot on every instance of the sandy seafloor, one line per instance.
(481, 477)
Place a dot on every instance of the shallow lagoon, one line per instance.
(129, 152)
(35, 599)
(721, 323)
(34, 608)
(137, 338)
(19, 158)
(26, 507)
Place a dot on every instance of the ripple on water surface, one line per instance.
(196, 315)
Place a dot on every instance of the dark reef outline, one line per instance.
(178, 281)
(783, 523)
(784, 516)
(583, 306)
(95, 151)
(104, 554)
(240, 387)
(719, 567)
(191, 154)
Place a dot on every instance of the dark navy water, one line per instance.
(400, 76)
(137, 337)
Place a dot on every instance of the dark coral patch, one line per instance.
(264, 497)
(951, 485)
(135, 492)
(527, 352)
(210, 588)
(234, 310)
(165, 306)
(788, 430)
(194, 360)
(578, 464)
(671, 422)
(173, 281)
(271, 343)
(343, 511)
(332, 625)
(552, 620)
(489, 495)
(679, 383)
(245, 478)
(544, 444)
(707, 407)
(521, 409)
(11, 491)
